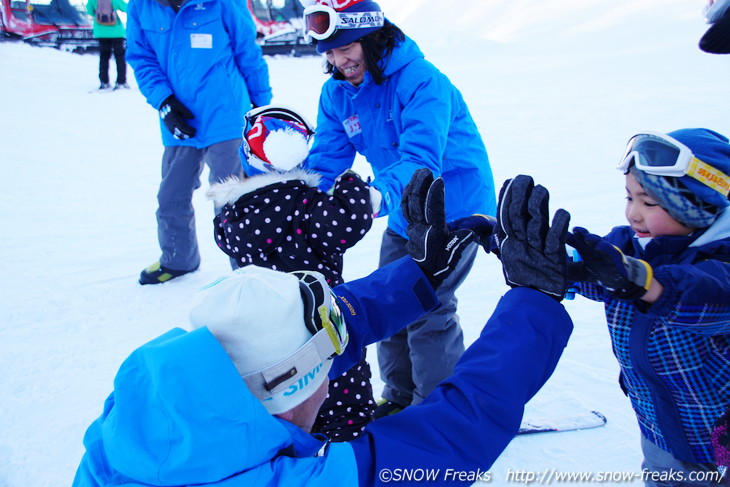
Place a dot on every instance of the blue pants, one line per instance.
(413, 361)
(668, 471)
(181, 169)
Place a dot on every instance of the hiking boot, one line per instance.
(105, 86)
(157, 274)
(119, 86)
(386, 408)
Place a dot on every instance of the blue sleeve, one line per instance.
(427, 113)
(695, 298)
(331, 153)
(247, 52)
(151, 79)
(377, 306)
(466, 423)
(348, 208)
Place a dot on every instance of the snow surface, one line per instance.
(556, 88)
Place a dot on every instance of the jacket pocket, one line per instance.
(153, 29)
(200, 19)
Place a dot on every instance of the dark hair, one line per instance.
(376, 46)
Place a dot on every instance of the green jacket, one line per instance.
(108, 31)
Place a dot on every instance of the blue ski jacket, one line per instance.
(675, 354)
(181, 415)
(416, 118)
(206, 55)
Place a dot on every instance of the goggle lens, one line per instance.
(317, 22)
(656, 153)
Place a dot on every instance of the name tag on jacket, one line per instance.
(201, 41)
(352, 126)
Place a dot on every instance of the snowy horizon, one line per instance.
(556, 89)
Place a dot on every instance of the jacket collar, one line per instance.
(230, 190)
(670, 246)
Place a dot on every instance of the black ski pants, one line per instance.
(106, 47)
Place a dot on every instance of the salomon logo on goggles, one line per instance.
(661, 155)
(321, 21)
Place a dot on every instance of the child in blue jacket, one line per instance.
(665, 283)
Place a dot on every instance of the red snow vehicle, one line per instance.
(279, 25)
(62, 24)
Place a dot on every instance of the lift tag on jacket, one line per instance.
(201, 41)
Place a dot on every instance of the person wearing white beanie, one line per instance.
(193, 408)
(257, 314)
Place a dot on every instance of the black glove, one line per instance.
(173, 114)
(430, 244)
(622, 276)
(717, 38)
(481, 225)
(532, 251)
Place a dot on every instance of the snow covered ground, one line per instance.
(556, 88)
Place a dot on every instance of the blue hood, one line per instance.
(405, 53)
(180, 415)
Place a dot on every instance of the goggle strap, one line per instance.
(709, 176)
(278, 377)
(360, 20)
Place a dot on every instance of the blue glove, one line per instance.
(481, 225)
(624, 277)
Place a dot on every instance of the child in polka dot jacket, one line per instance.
(278, 218)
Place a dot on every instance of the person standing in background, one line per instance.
(109, 30)
(199, 65)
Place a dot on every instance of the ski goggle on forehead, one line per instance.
(321, 21)
(276, 111)
(323, 318)
(661, 155)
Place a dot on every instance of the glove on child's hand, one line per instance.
(531, 250)
(173, 114)
(624, 277)
(436, 250)
(481, 225)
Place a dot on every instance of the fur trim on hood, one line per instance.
(230, 190)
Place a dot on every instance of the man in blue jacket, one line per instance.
(198, 63)
(231, 402)
(385, 101)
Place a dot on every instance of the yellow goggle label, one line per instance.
(710, 176)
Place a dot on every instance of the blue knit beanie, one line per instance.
(342, 37)
(687, 200)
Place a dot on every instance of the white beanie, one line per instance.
(257, 315)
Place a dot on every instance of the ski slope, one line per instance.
(556, 89)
